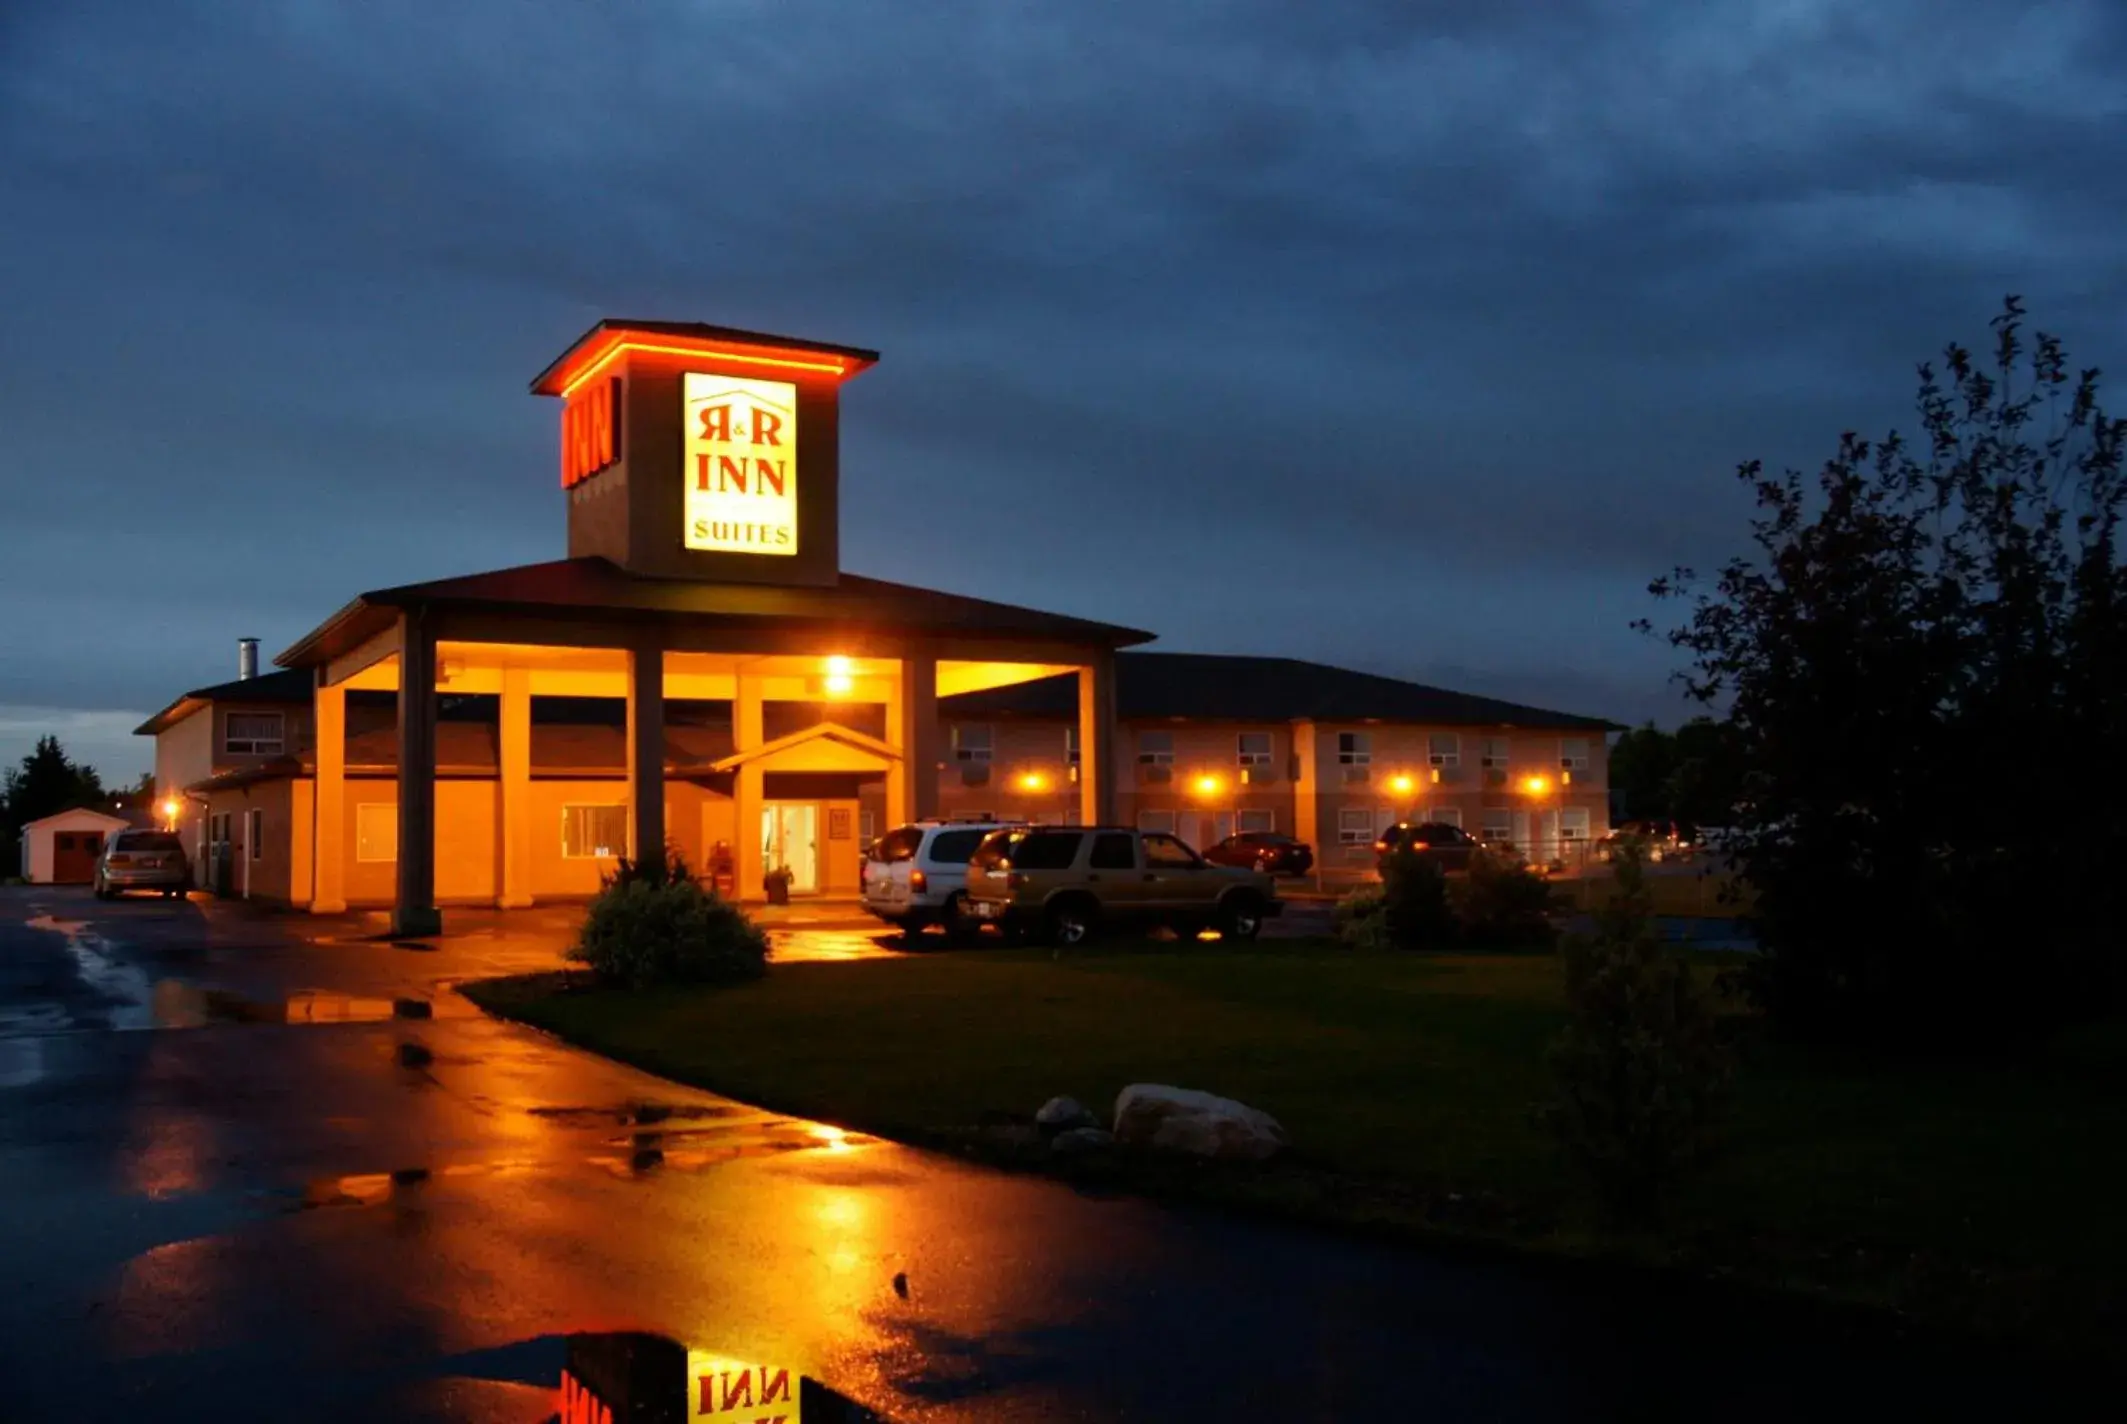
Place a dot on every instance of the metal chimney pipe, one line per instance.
(246, 659)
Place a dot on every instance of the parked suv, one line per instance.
(1449, 846)
(142, 860)
(1069, 882)
(915, 876)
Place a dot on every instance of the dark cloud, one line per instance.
(1415, 336)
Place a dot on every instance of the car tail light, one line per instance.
(1016, 880)
(918, 882)
(121, 860)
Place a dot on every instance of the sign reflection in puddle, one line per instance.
(630, 1378)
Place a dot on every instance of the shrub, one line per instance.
(1504, 902)
(1415, 912)
(1641, 1074)
(1359, 920)
(653, 923)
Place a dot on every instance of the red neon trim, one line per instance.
(833, 366)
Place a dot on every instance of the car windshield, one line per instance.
(146, 840)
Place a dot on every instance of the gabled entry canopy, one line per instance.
(824, 746)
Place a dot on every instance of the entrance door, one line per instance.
(790, 837)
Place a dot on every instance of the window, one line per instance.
(1355, 754)
(1446, 816)
(867, 826)
(1573, 754)
(1492, 753)
(252, 734)
(593, 832)
(954, 847)
(1254, 749)
(1355, 826)
(1046, 850)
(1071, 745)
(1160, 821)
(898, 844)
(1248, 822)
(1167, 853)
(1155, 756)
(1443, 749)
(255, 833)
(376, 831)
(1573, 823)
(1112, 850)
(1496, 824)
(971, 742)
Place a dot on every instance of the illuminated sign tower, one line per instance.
(702, 452)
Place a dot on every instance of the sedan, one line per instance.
(142, 860)
(1266, 851)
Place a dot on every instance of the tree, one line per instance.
(48, 781)
(1640, 767)
(1920, 625)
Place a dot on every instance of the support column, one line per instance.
(898, 785)
(1307, 794)
(1097, 752)
(416, 913)
(746, 798)
(921, 746)
(328, 839)
(513, 882)
(646, 747)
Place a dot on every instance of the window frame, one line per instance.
(1489, 759)
(1434, 756)
(1155, 815)
(626, 829)
(1445, 816)
(1504, 823)
(1350, 834)
(968, 754)
(275, 745)
(1567, 761)
(1584, 817)
(255, 832)
(1270, 821)
(1151, 755)
(1242, 756)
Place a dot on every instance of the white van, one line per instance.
(916, 875)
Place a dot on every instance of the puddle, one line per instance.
(125, 989)
(181, 1005)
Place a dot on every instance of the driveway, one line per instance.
(236, 1184)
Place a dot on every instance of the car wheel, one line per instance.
(1068, 922)
(959, 925)
(1240, 917)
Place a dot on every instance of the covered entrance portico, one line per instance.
(862, 653)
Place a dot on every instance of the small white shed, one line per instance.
(62, 849)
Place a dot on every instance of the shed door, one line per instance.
(74, 856)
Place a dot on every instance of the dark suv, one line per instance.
(1069, 882)
(1450, 846)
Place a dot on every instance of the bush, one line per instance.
(1415, 913)
(1504, 902)
(1358, 920)
(653, 923)
(1641, 1074)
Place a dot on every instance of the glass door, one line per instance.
(790, 839)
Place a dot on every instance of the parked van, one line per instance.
(915, 876)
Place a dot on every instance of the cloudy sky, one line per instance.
(1409, 336)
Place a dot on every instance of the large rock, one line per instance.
(1078, 1141)
(1201, 1124)
(1063, 1114)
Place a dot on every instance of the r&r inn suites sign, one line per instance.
(703, 452)
(740, 476)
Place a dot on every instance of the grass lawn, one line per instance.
(1981, 1195)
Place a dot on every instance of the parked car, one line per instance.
(1267, 851)
(1661, 840)
(1451, 846)
(915, 876)
(1067, 883)
(142, 860)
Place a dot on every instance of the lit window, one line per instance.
(1493, 753)
(1355, 826)
(1160, 822)
(1443, 749)
(971, 742)
(594, 832)
(1573, 823)
(1256, 821)
(1573, 754)
(376, 831)
(1254, 749)
(1446, 815)
(252, 734)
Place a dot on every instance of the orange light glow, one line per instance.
(1207, 785)
(1033, 781)
(841, 676)
(833, 1138)
(1535, 785)
(621, 345)
(170, 807)
(1401, 783)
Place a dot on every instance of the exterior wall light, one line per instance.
(840, 676)
(1535, 785)
(1033, 782)
(1206, 785)
(1401, 783)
